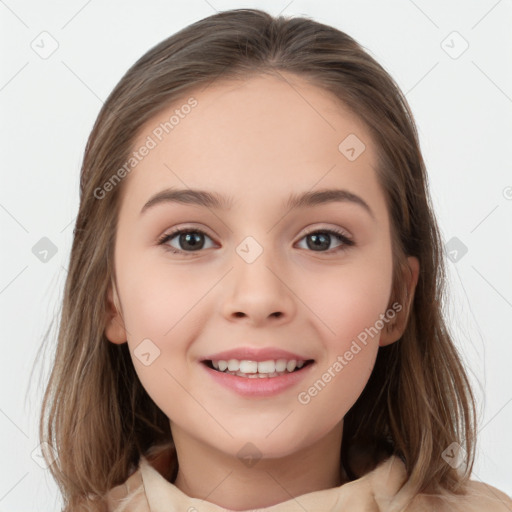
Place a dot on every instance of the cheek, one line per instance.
(162, 308)
(348, 299)
(161, 319)
(350, 303)
(159, 299)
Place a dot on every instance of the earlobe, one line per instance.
(394, 331)
(114, 323)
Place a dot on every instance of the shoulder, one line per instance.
(391, 491)
(477, 497)
(132, 495)
(128, 496)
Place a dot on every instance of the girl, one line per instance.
(252, 315)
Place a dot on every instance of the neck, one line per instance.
(224, 480)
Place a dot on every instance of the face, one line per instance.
(257, 271)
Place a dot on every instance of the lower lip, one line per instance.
(258, 387)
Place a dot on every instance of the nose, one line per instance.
(259, 293)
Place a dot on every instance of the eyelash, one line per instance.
(347, 242)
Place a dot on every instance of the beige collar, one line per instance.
(375, 491)
(146, 490)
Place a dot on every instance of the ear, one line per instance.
(394, 330)
(114, 324)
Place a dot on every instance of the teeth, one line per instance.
(280, 365)
(257, 369)
(233, 365)
(248, 366)
(265, 367)
(258, 375)
(290, 365)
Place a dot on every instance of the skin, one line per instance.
(255, 140)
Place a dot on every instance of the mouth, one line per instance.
(258, 369)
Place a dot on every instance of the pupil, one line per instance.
(193, 239)
(320, 240)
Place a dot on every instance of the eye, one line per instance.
(193, 240)
(190, 240)
(321, 239)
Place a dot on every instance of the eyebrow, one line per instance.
(217, 201)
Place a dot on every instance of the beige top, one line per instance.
(147, 490)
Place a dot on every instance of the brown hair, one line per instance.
(418, 400)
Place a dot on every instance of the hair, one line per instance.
(95, 412)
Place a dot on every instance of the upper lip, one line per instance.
(255, 354)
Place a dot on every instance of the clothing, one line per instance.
(146, 490)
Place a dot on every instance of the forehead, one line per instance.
(252, 134)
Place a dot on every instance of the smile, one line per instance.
(246, 380)
(257, 369)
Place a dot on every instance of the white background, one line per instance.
(462, 106)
